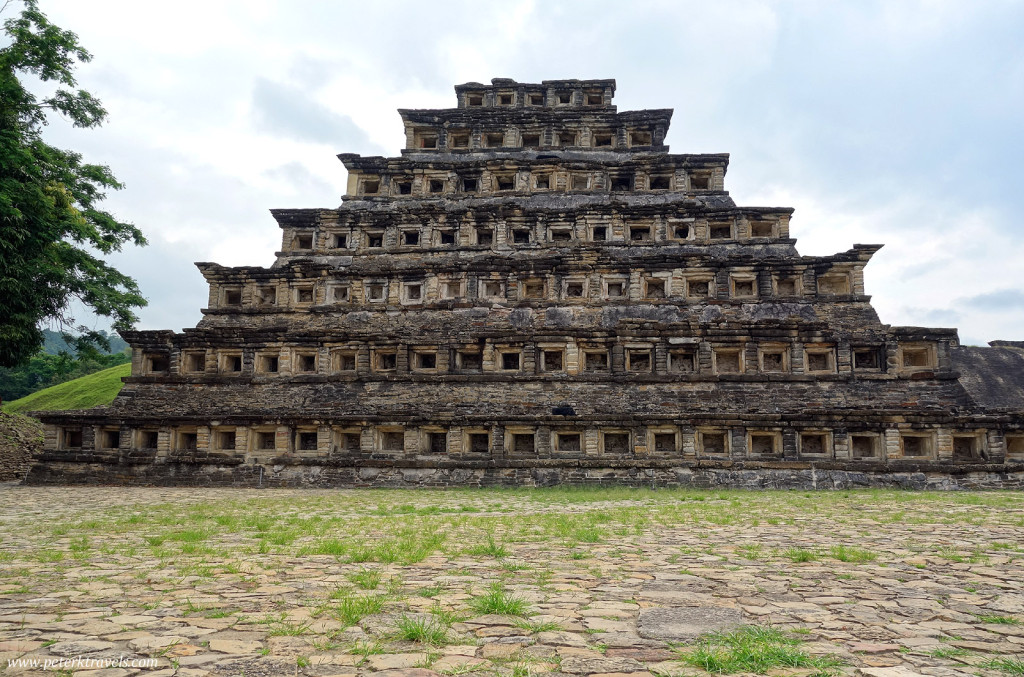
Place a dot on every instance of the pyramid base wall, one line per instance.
(739, 476)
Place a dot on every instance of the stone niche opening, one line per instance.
(580, 181)
(595, 360)
(564, 98)
(505, 99)
(655, 288)
(436, 442)
(370, 187)
(305, 440)
(786, 286)
(523, 443)
(682, 361)
(616, 442)
(195, 362)
(820, 360)
(225, 440)
(510, 360)
(865, 446)
(156, 363)
(534, 289)
(744, 287)
(698, 288)
(71, 438)
(720, 231)
(764, 443)
(343, 360)
(304, 294)
(834, 284)
(108, 438)
(728, 360)
(147, 439)
(266, 440)
(474, 99)
(413, 292)
(494, 140)
(375, 239)
(917, 357)
(385, 360)
(714, 443)
(575, 289)
(303, 241)
(458, 140)
(567, 138)
(404, 187)
(665, 441)
(814, 444)
(553, 359)
(446, 237)
(536, 99)
(411, 238)
(428, 141)
(341, 293)
(921, 445)
(542, 181)
(1015, 447)
(866, 359)
(604, 139)
(521, 236)
(348, 441)
(232, 296)
(568, 442)
(492, 289)
(640, 234)
(638, 360)
(561, 234)
(594, 98)
(267, 296)
(451, 289)
(392, 440)
(774, 360)
(969, 448)
(660, 182)
(478, 442)
(187, 440)
(680, 231)
(470, 185)
(531, 140)
(700, 181)
(639, 138)
(616, 289)
(622, 183)
(424, 360)
(505, 181)
(305, 363)
(762, 229)
(469, 360)
(268, 364)
(435, 185)
(599, 233)
(231, 363)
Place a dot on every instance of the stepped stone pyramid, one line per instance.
(536, 291)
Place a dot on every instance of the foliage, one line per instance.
(44, 370)
(52, 231)
(88, 391)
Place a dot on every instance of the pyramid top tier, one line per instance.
(507, 116)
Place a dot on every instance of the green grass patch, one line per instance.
(998, 620)
(498, 601)
(801, 555)
(846, 553)
(753, 649)
(1011, 666)
(351, 610)
(430, 631)
(81, 393)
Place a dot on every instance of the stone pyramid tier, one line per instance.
(537, 291)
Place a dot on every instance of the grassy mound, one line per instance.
(20, 437)
(89, 391)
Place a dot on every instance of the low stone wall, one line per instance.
(326, 476)
(20, 438)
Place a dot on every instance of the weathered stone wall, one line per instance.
(20, 437)
(753, 476)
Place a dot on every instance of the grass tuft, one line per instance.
(430, 631)
(1011, 666)
(500, 602)
(753, 649)
(845, 553)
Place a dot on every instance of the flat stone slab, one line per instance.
(686, 623)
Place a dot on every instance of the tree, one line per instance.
(52, 232)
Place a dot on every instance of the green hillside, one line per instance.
(81, 393)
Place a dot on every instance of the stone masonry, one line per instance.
(536, 291)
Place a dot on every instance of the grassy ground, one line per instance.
(82, 393)
(311, 565)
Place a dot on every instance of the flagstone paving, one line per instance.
(617, 582)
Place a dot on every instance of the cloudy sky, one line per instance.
(889, 121)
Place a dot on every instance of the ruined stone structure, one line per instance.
(537, 291)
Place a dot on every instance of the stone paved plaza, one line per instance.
(506, 582)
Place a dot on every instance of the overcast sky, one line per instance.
(879, 122)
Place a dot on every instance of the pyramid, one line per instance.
(536, 291)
